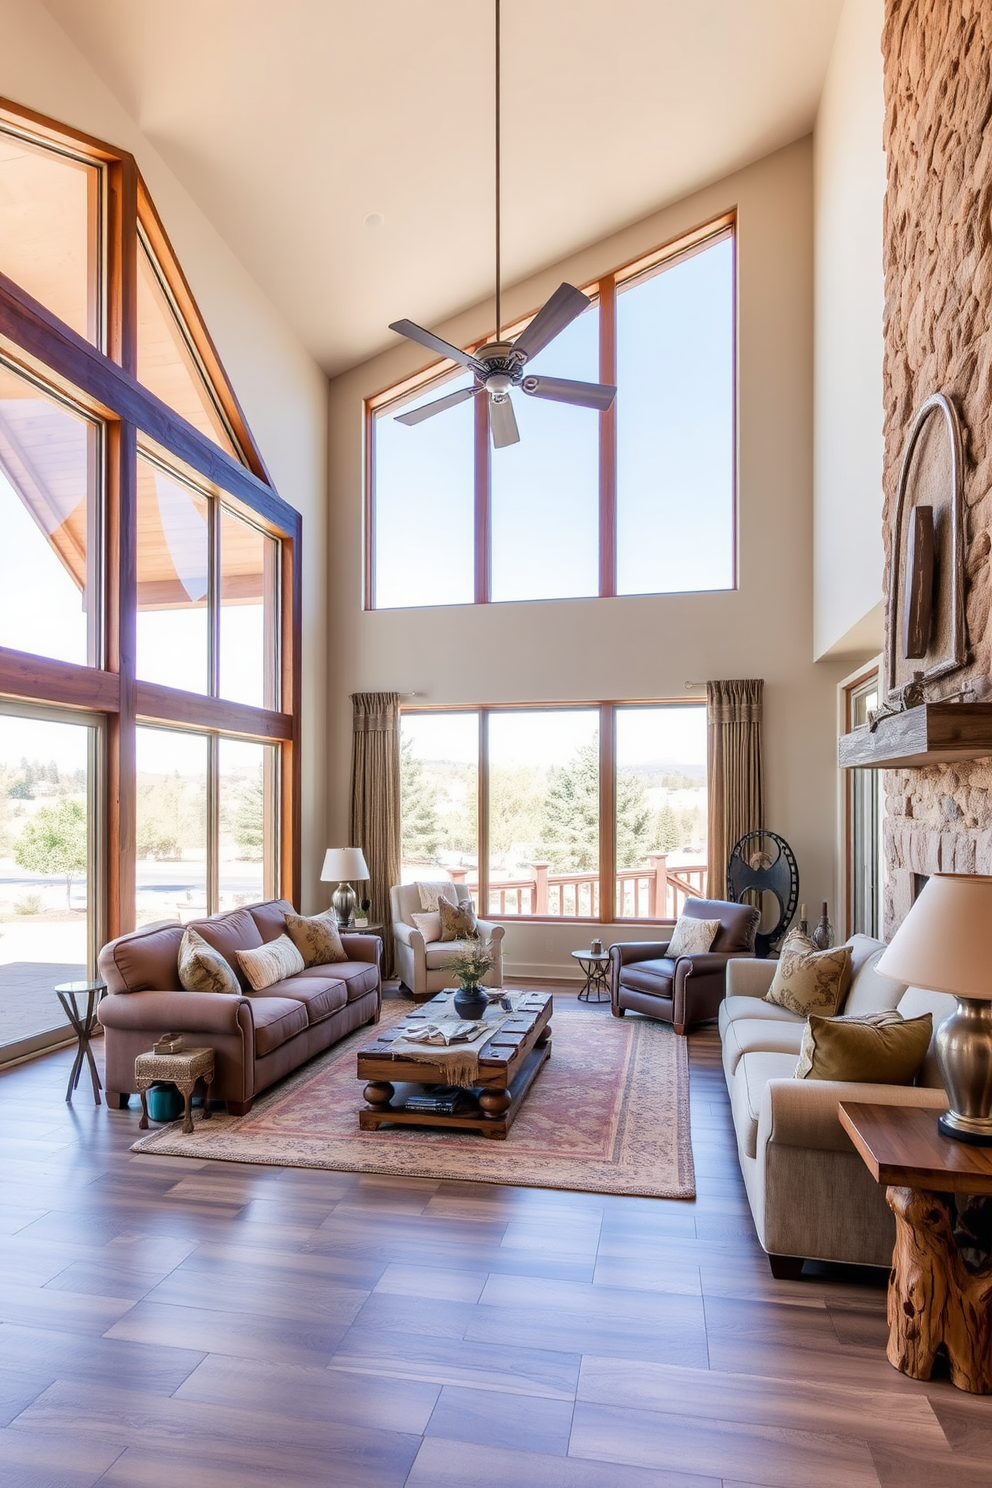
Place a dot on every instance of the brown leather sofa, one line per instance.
(691, 989)
(257, 1037)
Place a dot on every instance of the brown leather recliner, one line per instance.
(691, 989)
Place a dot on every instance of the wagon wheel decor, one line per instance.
(763, 863)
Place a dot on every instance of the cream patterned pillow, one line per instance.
(270, 963)
(692, 937)
(810, 981)
(430, 893)
(429, 926)
(317, 938)
(458, 921)
(202, 969)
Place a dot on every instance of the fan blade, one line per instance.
(428, 410)
(503, 423)
(433, 343)
(563, 390)
(562, 308)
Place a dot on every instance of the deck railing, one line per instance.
(656, 891)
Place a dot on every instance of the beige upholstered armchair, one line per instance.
(420, 964)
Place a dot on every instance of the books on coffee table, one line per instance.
(441, 1100)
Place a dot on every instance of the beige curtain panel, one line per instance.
(736, 801)
(375, 801)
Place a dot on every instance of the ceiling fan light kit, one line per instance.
(499, 366)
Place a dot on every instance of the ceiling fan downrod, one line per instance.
(498, 367)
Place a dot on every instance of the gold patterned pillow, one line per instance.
(270, 963)
(202, 969)
(458, 921)
(430, 893)
(316, 937)
(810, 981)
(429, 926)
(692, 937)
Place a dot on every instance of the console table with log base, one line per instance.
(934, 1296)
(508, 1066)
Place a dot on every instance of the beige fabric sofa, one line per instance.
(421, 964)
(810, 1193)
(257, 1037)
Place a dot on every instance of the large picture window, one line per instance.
(639, 499)
(534, 808)
(149, 618)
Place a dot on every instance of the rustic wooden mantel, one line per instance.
(931, 734)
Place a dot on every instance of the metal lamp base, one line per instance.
(343, 902)
(963, 1046)
(979, 1135)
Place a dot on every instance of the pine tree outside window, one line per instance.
(568, 799)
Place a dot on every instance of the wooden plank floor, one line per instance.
(212, 1325)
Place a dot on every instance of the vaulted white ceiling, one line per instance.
(291, 122)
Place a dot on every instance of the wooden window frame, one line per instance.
(100, 381)
(603, 291)
(847, 690)
(606, 711)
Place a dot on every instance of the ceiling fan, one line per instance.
(501, 365)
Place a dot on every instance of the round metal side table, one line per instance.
(595, 965)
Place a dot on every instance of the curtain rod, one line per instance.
(690, 685)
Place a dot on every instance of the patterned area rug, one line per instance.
(609, 1113)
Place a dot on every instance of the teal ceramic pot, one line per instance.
(164, 1103)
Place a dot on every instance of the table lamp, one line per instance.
(344, 864)
(945, 945)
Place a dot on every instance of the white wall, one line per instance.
(849, 184)
(281, 390)
(588, 649)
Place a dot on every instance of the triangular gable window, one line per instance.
(167, 361)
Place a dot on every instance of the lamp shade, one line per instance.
(342, 864)
(945, 942)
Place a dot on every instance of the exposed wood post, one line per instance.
(658, 886)
(540, 888)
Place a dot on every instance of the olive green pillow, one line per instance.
(873, 1048)
(810, 981)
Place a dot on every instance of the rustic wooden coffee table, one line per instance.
(508, 1067)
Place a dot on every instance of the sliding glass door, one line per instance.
(48, 893)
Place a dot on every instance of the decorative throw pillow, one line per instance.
(271, 962)
(692, 937)
(316, 937)
(458, 921)
(429, 926)
(430, 893)
(202, 969)
(876, 1048)
(810, 981)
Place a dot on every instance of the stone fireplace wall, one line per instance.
(937, 239)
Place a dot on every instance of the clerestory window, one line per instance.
(639, 499)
